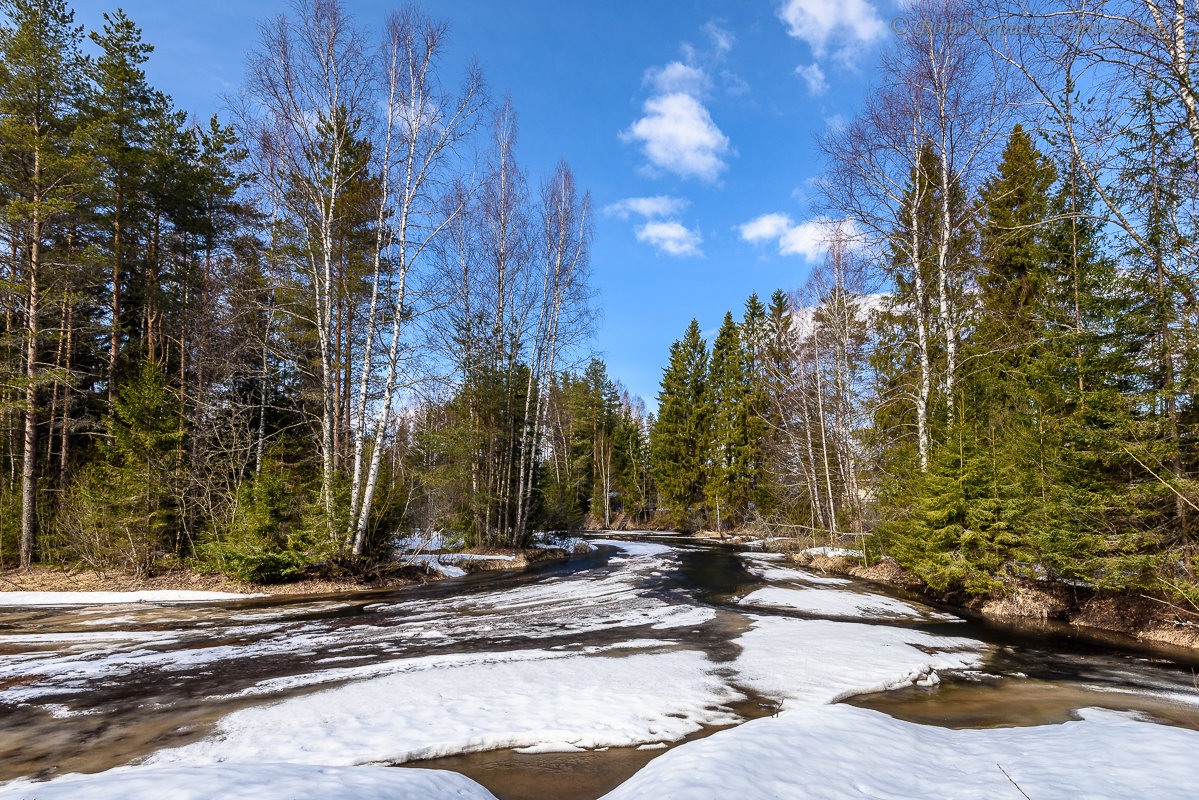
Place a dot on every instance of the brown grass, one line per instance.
(42, 578)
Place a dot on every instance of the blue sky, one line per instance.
(693, 124)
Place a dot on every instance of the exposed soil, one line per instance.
(44, 578)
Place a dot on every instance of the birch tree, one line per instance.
(423, 125)
(309, 86)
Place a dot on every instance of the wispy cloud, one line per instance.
(657, 206)
(670, 237)
(813, 76)
(844, 26)
(722, 39)
(767, 226)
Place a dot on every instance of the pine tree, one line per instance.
(122, 107)
(1153, 332)
(777, 369)
(630, 457)
(44, 168)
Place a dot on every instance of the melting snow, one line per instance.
(96, 598)
(839, 603)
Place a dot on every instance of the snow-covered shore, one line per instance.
(110, 598)
(522, 673)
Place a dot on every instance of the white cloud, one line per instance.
(677, 77)
(670, 237)
(677, 134)
(816, 21)
(813, 76)
(676, 131)
(808, 239)
(767, 226)
(657, 206)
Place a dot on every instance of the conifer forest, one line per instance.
(342, 311)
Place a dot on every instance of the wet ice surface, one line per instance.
(644, 643)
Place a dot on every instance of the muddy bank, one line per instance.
(1144, 618)
(53, 578)
(620, 521)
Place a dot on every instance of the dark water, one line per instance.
(138, 678)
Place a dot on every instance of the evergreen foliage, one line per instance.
(680, 440)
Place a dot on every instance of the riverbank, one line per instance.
(1146, 619)
(55, 578)
(594, 667)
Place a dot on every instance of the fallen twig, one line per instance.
(1009, 777)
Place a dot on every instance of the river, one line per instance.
(645, 650)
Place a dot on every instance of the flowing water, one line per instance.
(87, 689)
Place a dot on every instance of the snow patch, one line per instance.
(845, 752)
(442, 705)
(251, 782)
(765, 569)
(834, 552)
(811, 661)
(549, 747)
(839, 603)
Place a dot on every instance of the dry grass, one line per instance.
(64, 579)
(1026, 601)
(59, 579)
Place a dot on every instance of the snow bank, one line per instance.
(582, 602)
(445, 563)
(839, 751)
(251, 782)
(443, 705)
(445, 570)
(98, 598)
(839, 603)
(428, 540)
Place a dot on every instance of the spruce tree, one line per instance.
(1016, 203)
(679, 441)
(755, 339)
(777, 369)
(728, 479)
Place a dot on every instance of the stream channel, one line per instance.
(85, 689)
